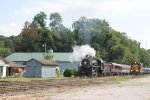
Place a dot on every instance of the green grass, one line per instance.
(11, 79)
(105, 79)
(118, 78)
(21, 79)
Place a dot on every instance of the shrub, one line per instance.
(57, 72)
(70, 72)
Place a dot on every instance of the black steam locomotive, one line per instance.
(90, 67)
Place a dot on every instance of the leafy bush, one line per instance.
(70, 72)
(57, 72)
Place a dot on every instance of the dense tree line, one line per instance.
(110, 44)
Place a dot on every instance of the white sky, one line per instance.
(129, 16)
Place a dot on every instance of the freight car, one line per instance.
(90, 67)
(136, 68)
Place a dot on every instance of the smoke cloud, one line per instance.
(79, 52)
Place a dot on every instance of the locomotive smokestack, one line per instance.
(80, 52)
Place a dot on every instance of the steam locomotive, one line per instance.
(92, 67)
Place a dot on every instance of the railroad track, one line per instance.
(12, 87)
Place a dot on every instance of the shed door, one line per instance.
(34, 71)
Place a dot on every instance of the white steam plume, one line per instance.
(80, 52)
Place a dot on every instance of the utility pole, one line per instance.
(44, 45)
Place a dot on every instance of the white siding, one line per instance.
(48, 71)
(3, 67)
(4, 71)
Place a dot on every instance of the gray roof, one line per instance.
(11, 63)
(44, 62)
(28, 56)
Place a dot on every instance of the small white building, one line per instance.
(3, 67)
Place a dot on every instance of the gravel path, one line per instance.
(134, 89)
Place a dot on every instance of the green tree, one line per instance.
(4, 52)
(2, 44)
(63, 37)
(49, 55)
(67, 40)
(9, 44)
(39, 20)
(55, 20)
(29, 37)
(144, 57)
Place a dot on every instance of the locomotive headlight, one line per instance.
(131, 70)
(84, 63)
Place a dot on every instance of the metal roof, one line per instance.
(28, 56)
(122, 65)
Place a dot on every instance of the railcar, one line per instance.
(115, 69)
(146, 70)
(119, 69)
(107, 69)
(125, 69)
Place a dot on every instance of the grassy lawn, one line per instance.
(109, 78)
(118, 78)
(25, 79)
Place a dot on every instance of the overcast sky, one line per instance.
(129, 16)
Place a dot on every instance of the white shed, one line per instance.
(37, 68)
